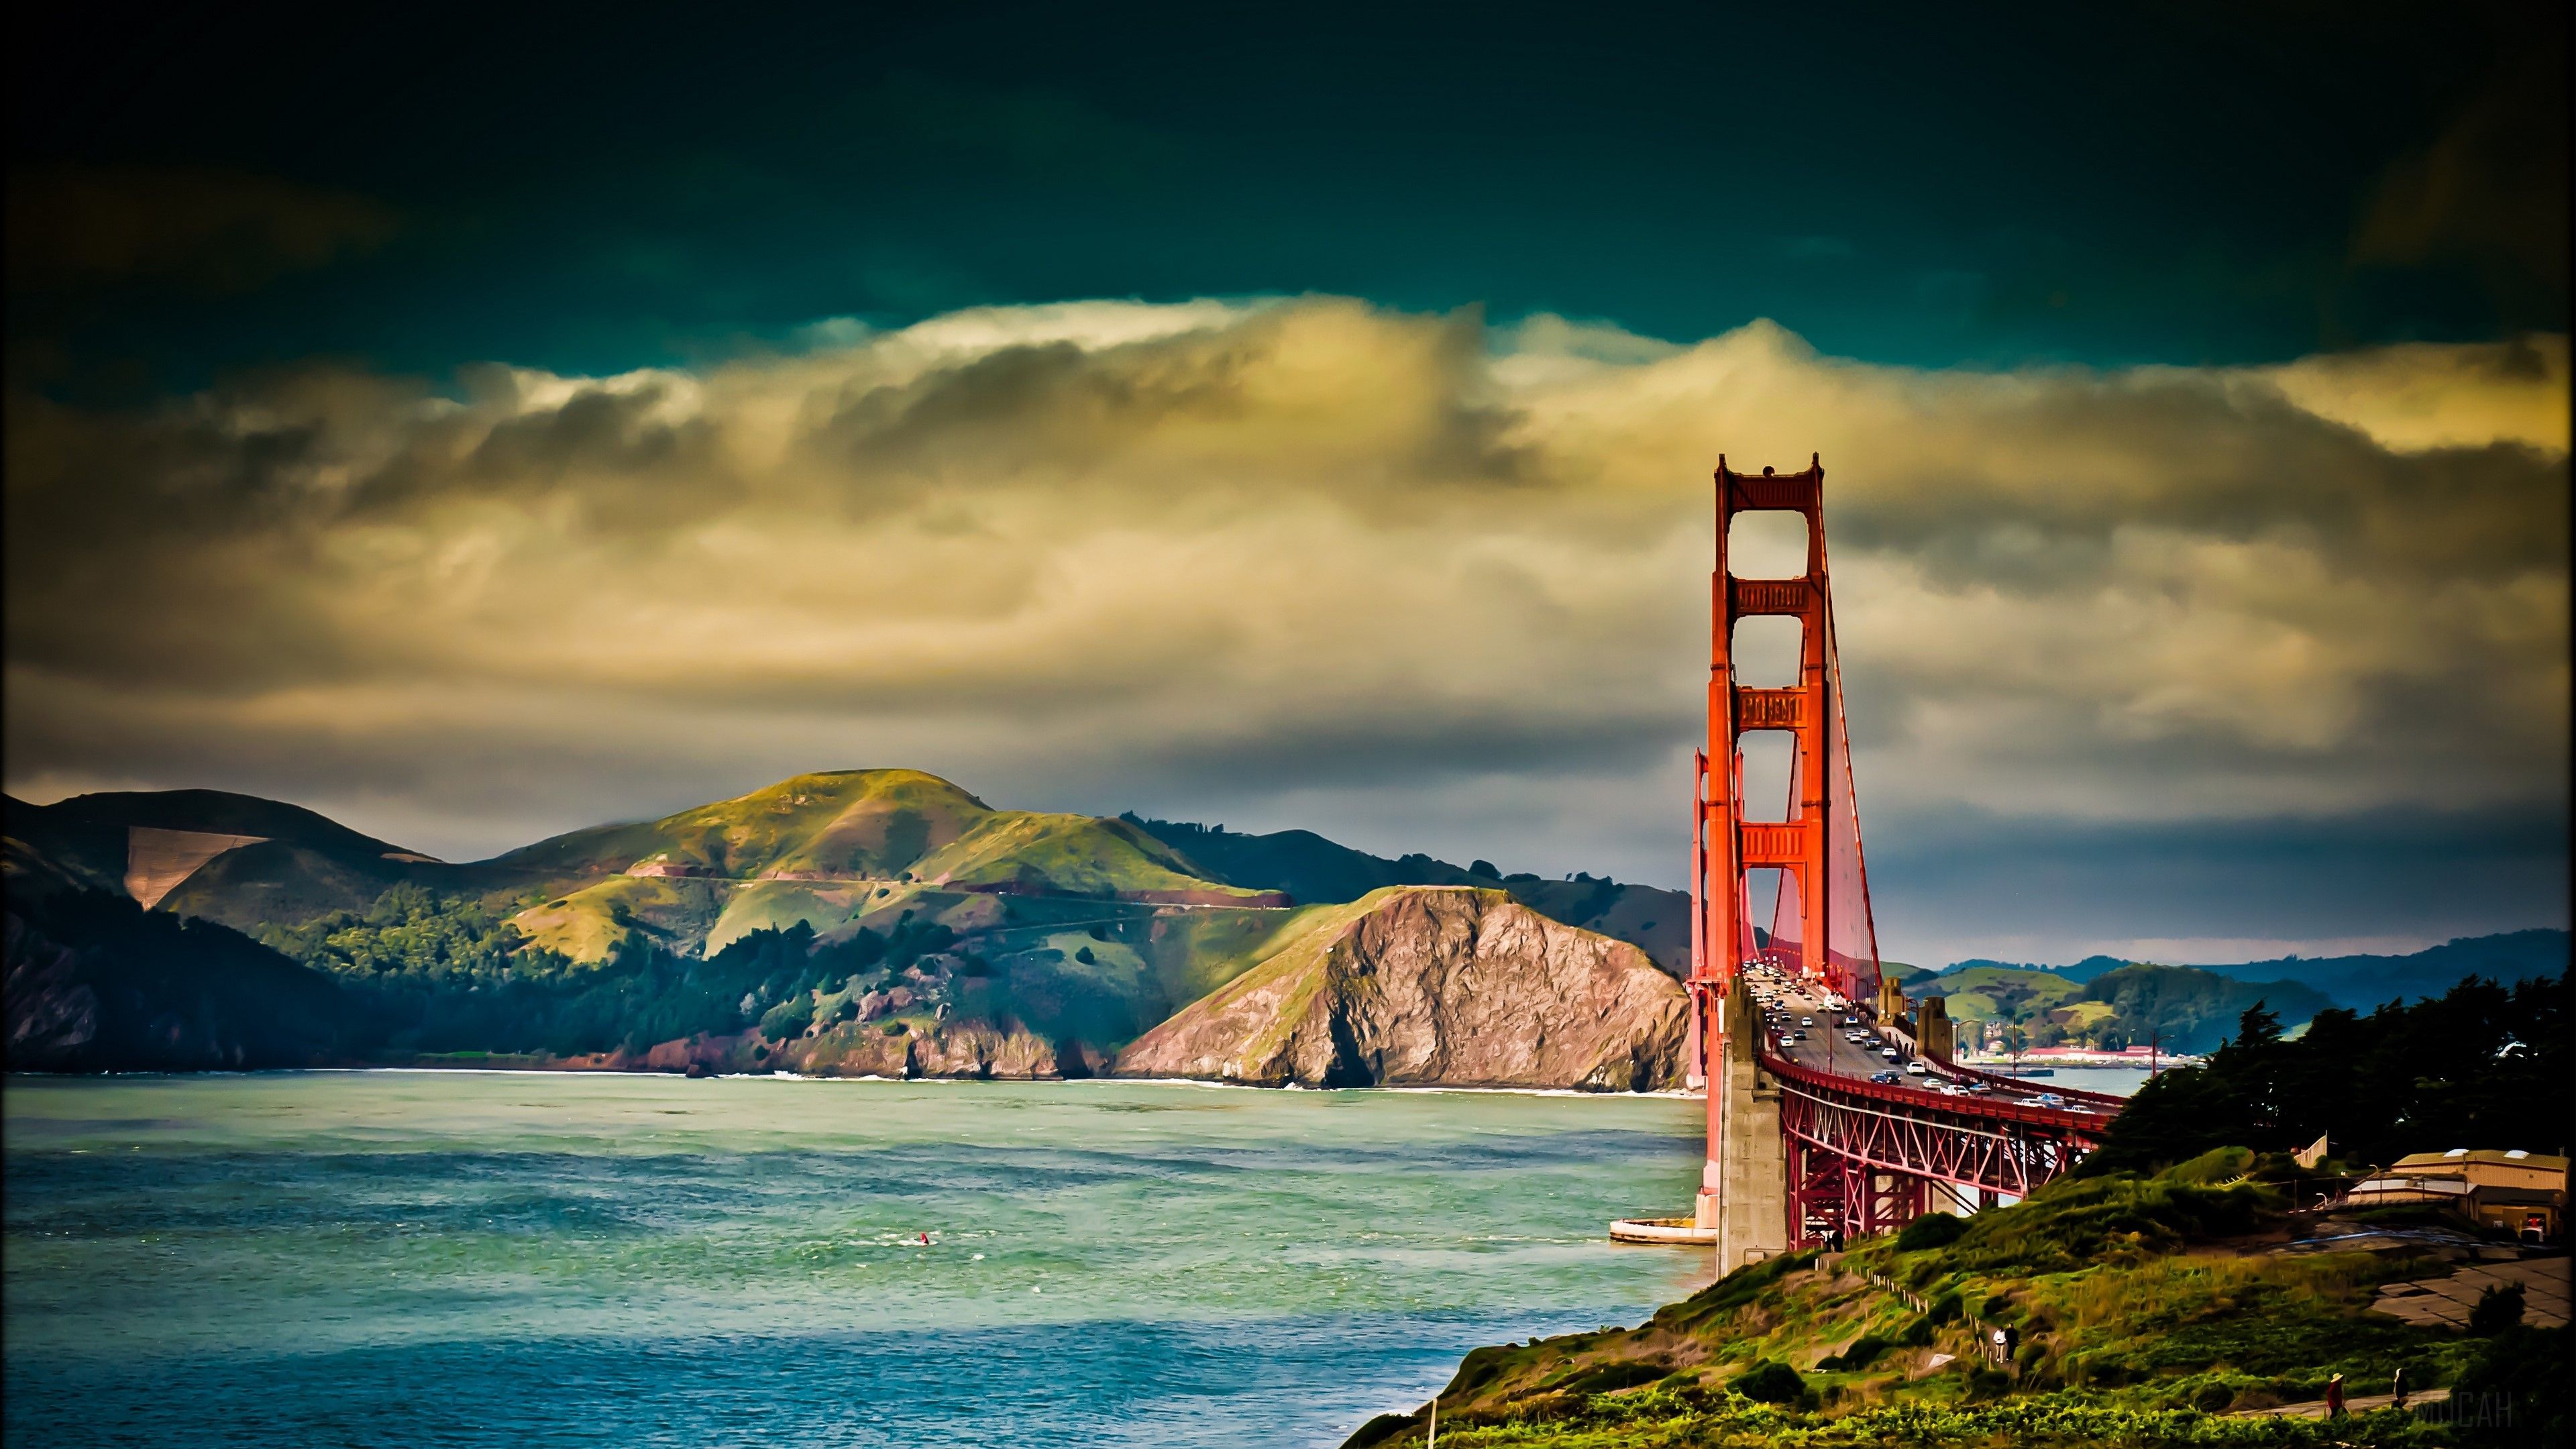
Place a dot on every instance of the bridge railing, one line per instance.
(1993, 1079)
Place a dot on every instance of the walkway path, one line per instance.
(2359, 1403)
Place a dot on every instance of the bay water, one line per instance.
(489, 1259)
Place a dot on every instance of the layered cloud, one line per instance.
(1407, 578)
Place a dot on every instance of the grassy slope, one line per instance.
(1067, 854)
(838, 822)
(2131, 1297)
(2001, 993)
(882, 839)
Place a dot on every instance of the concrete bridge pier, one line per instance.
(1744, 1189)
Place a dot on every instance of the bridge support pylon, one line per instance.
(1744, 1197)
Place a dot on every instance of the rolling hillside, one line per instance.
(835, 848)
(2182, 1007)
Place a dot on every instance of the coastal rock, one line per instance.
(967, 1048)
(980, 1049)
(1432, 986)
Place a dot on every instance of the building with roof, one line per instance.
(2523, 1193)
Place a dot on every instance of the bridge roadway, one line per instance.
(1865, 1155)
(1950, 1088)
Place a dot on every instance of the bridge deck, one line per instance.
(1824, 1061)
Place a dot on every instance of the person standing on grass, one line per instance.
(2334, 1397)
(2398, 1390)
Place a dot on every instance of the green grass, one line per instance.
(2140, 1304)
(1289, 959)
(833, 822)
(1064, 854)
(1659, 1417)
(878, 840)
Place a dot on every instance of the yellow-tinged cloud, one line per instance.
(1302, 544)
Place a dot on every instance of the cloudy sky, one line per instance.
(1307, 422)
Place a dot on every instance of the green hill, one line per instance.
(858, 824)
(833, 848)
(2141, 1309)
(2184, 1008)
(2012, 994)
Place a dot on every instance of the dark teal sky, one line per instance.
(595, 188)
(2304, 680)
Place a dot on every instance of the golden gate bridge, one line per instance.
(1809, 1142)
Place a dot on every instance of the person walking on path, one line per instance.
(2398, 1390)
(2334, 1397)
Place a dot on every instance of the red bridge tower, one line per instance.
(1820, 922)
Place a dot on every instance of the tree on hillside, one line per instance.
(2187, 1009)
(2481, 1066)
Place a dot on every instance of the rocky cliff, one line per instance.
(92, 982)
(1432, 986)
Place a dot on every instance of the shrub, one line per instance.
(1943, 1309)
(2217, 1165)
(1732, 1291)
(1770, 1382)
(896, 1028)
(2213, 1398)
(1085, 957)
(2497, 1309)
(1864, 1351)
(1613, 1376)
(788, 1018)
(1932, 1230)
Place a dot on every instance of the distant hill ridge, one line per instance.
(840, 921)
(2356, 982)
(1064, 936)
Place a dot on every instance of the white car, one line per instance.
(1912, 1069)
(1888, 1052)
(1806, 1021)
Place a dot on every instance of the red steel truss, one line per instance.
(1861, 1156)
(2008, 1148)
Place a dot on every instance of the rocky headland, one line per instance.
(1425, 986)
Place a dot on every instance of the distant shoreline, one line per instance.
(1676, 1096)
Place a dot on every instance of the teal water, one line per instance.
(533, 1259)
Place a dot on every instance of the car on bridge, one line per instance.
(1886, 1077)
(1888, 1052)
(1916, 1069)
